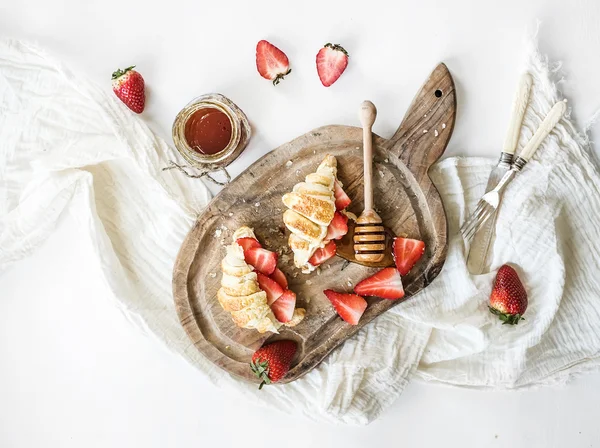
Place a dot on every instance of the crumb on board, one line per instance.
(257, 204)
(288, 163)
(443, 125)
(424, 131)
(309, 282)
(387, 160)
(298, 173)
(381, 173)
(230, 213)
(218, 233)
(318, 271)
(349, 284)
(425, 116)
(212, 274)
(227, 347)
(436, 133)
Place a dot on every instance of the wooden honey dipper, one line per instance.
(369, 234)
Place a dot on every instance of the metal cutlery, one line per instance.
(488, 204)
(478, 251)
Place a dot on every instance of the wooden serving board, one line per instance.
(405, 199)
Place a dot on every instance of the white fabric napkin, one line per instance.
(68, 146)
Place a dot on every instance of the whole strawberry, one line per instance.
(128, 85)
(509, 298)
(272, 361)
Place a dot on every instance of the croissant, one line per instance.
(240, 293)
(311, 208)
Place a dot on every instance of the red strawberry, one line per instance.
(284, 306)
(386, 284)
(322, 254)
(271, 362)
(509, 298)
(341, 198)
(248, 243)
(128, 85)
(349, 306)
(338, 227)
(332, 60)
(271, 287)
(271, 62)
(280, 278)
(406, 253)
(263, 260)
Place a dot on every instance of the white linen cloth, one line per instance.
(69, 146)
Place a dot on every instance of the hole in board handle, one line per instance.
(438, 93)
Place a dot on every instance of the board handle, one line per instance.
(427, 126)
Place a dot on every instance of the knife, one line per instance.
(481, 244)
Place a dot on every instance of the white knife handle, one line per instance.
(518, 112)
(553, 117)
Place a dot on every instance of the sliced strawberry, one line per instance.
(349, 306)
(338, 227)
(248, 243)
(270, 286)
(280, 278)
(386, 284)
(341, 198)
(406, 253)
(283, 307)
(332, 60)
(271, 62)
(263, 260)
(323, 254)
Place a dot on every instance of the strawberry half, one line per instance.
(270, 286)
(341, 198)
(280, 278)
(128, 85)
(271, 62)
(283, 307)
(263, 260)
(338, 227)
(271, 362)
(248, 243)
(406, 253)
(508, 300)
(386, 284)
(332, 60)
(350, 307)
(322, 254)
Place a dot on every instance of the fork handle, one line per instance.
(553, 117)
(518, 112)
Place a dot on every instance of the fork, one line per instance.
(488, 204)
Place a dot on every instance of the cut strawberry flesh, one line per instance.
(248, 243)
(406, 253)
(263, 260)
(341, 198)
(271, 62)
(271, 287)
(338, 227)
(280, 278)
(322, 254)
(350, 307)
(386, 284)
(283, 307)
(332, 60)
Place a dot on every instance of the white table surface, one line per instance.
(73, 372)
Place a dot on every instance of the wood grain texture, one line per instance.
(404, 197)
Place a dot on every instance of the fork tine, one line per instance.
(474, 216)
(475, 223)
(483, 218)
